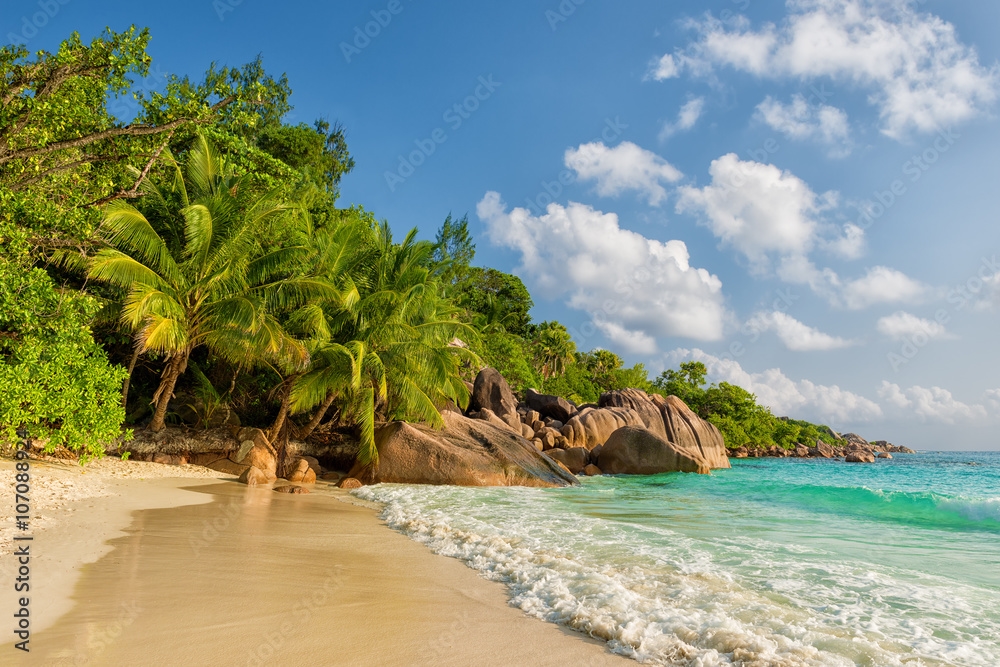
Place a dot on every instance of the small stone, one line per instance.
(592, 471)
(350, 483)
(291, 489)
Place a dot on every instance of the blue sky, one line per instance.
(717, 161)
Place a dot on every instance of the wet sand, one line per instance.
(255, 577)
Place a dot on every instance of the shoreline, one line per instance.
(210, 571)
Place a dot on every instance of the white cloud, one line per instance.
(800, 120)
(850, 245)
(757, 208)
(929, 404)
(664, 68)
(795, 335)
(801, 399)
(686, 118)
(882, 285)
(918, 73)
(622, 168)
(635, 289)
(905, 326)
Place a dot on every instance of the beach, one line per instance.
(140, 563)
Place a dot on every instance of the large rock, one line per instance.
(821, 450)
(593, 427)
(491, 392)
(639, 402)
(255, 450)
(856, 440)
(489, 416)
(555, 407)
(859, 456)
(255, 477)
(689, 431)
(575, 458)
(635, 450)
(467, 452)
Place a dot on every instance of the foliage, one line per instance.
(495, 300)
(57, 382)
(193, 271)
(553, 348)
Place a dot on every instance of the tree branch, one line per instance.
(134, 191)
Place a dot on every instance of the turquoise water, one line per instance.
(775, 562)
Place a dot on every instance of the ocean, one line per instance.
(775, 562)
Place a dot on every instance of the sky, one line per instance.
(803, 195)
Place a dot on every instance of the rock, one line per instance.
(801, 451)
(537, 425)
(635, 450)
(350, 483)
(639, 402)
(687, 430)
(741, 453)
(555, 407)
(168, 459)
(562, 467)
(291, 489)
(884, 455)
(467, 452)
(855, 439)
(255, 450)
(299, 470)
(539, 445)
(859, 457)
(527, 432)
(227, 466)
(575, 458)
(821, 450)
(592, 427)
(592, 471)
(531, 416)
(491, 392)
(554, 424)
(487, 415)
(314, 465)
(595, 453)
(255, 477)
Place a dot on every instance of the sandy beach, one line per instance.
(143, 564)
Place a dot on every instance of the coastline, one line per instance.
(207, 571)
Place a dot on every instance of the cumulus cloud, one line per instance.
(664, 68)
(757, 209)
(795, 335)
(686, 118)
(929, 404)
(622, 168)
(802, 398)
(882, 285)
(802, 121)
(635, 289)
(906, 326)
(918, 73)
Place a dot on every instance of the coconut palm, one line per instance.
(554, 348)
(398, 363)
(196, 271)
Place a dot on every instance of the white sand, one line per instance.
(223, 574)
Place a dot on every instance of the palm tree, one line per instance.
(196, 271)
(398, 363)
(554, 348)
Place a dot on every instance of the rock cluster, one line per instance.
(852, 448)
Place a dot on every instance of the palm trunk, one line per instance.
(318, 417)
(286, 400)
(128, 378)
(175, 368)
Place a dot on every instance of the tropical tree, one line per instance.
(195, 270)
(554, 348)
(400, 360)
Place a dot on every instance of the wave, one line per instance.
(919, 509)
(660, 597)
